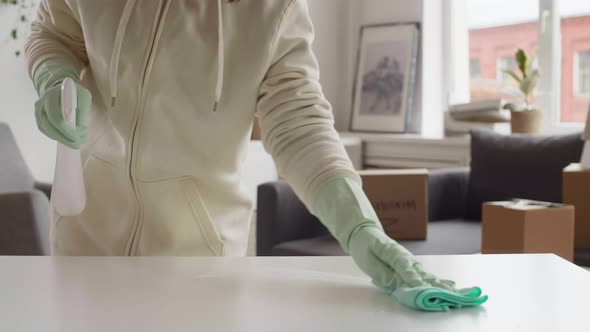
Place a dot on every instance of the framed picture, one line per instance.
(385, 78)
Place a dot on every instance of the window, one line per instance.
(474, 69)
(505, 63)
(495, 34)
(575, 59)
(582, 74)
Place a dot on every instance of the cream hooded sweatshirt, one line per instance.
(176, 85)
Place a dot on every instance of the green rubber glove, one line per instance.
(343, 207)
(47, 79)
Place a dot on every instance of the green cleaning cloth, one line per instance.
(437, 299)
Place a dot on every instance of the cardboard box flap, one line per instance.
(527, 204)
(575, 168)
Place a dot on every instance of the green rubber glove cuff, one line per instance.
(51, 73)
(343, 208)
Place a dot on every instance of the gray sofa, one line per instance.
(502, 167)
(24, 203)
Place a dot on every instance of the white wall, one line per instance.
(330, 20)
(17, 99)
(336, 47)
(434, 97)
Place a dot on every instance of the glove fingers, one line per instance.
(444, 284)
(400, 262)
(52, 107)
(50, 131)
(383, 276)
(435, 281)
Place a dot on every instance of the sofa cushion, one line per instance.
(518, 166)
(582, 257)
(15, 176)
(446, 237)
(316, 246)
(447, 193)
(24, 223)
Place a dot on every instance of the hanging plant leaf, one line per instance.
(17, 53)
(23, 18)
(13, 34)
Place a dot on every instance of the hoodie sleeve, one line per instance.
(55, 34)
(296, 120)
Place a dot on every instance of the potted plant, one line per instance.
(526, 119)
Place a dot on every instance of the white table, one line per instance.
(49, 294)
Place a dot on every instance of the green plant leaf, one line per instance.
(513, 75)
(23, 18)
(527, 85)
(534, 76)
(17, 53)
(521, 60)
(510, 106)
(13, 34)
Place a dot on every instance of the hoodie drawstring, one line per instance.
(220, 55)
(113, 75)
(117, 48)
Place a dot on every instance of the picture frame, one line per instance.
(385, 78)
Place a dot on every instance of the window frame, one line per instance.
(500, 76)
(577, 75)
(471, 61)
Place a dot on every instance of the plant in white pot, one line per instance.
(526, 119)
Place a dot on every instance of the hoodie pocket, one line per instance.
(176, 221)
(202, 217)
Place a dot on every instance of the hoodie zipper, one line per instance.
(143, 81)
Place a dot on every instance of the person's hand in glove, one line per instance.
(343, 207)
(47, 79)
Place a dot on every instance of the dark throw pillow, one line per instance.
(518, 166)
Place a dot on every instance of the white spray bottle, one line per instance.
(68, 195)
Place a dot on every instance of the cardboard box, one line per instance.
(400, 198)
(576, 191)
(529, 227)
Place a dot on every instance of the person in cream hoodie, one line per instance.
(167, 94)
